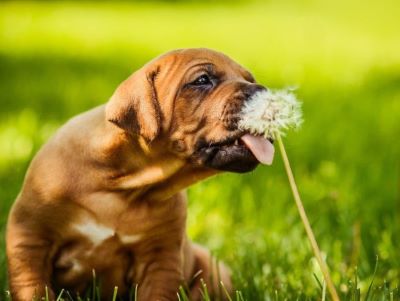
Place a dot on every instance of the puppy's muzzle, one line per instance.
(230, 154)
(252, 89)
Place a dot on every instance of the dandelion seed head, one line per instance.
(269, 113)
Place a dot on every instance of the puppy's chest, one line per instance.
(112, 247)
(100, 235)
(92, 245)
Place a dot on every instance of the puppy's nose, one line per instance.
(251, 89)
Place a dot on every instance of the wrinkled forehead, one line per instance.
(180, 61)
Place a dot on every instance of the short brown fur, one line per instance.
(123, 166)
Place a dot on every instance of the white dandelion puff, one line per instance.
(271, 113)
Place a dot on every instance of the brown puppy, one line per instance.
(105, 193)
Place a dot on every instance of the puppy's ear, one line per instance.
(134, 106)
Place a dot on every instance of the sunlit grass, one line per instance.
(59, 59)
(323, 37)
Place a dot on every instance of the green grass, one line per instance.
(59, 59)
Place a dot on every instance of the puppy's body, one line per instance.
(105, 193)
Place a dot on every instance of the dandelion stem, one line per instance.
(310, 234)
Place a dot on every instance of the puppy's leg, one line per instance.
(29, 263)
(162, 276)
(206, 267)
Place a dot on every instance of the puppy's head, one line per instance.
(189, 100)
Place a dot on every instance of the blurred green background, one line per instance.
(58, 59)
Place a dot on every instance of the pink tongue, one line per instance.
(261, 148)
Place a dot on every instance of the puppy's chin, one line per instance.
(233, 158)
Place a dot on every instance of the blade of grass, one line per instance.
(93, 285)
(115, 293)
(310, 234)
(60, 295)
(373, 278)
(182, 293)
(211, 276)
(97, 293)
(319, 282)
(225, 291)
(199, 272)
(133, 293)
(205, 290)
(219, 278)
(69, 296)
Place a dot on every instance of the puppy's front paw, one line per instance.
(212, 272)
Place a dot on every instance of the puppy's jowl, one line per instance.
(106, 193)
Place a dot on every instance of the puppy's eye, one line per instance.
(202, 80)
